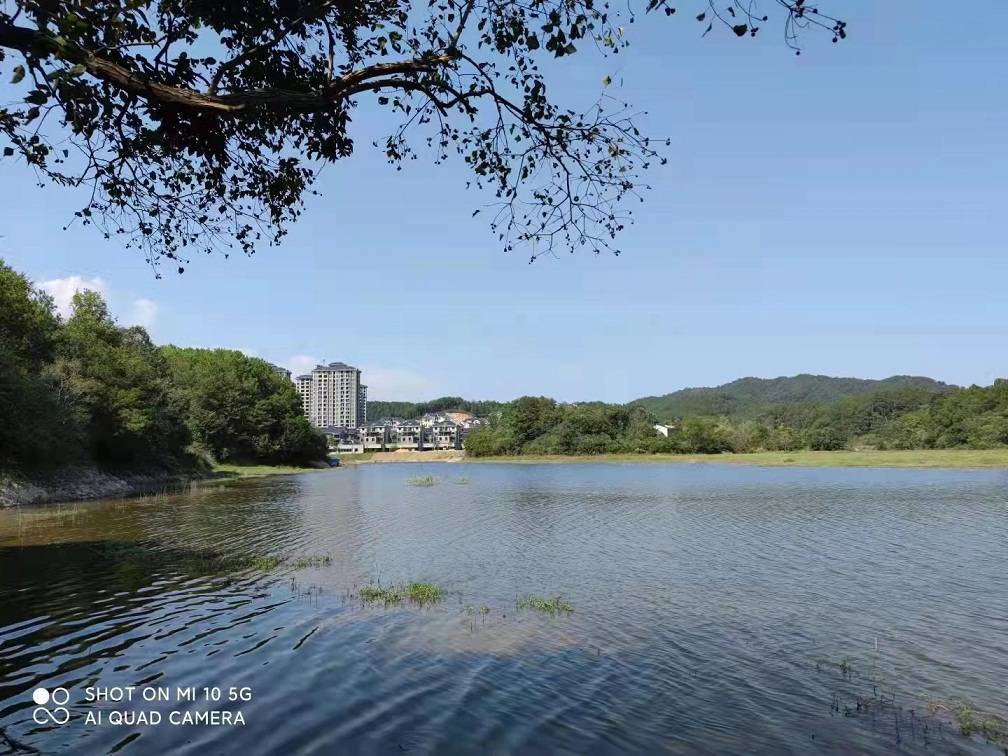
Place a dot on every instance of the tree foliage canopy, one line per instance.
(909, 417)
(88, 390)
(239, 409)
(196, 125)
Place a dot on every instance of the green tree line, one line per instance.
(906, 418)
(86, 390)
(381, 410)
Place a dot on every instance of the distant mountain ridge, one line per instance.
(746, 397)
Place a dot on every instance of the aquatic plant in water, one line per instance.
(906, 721)
(551, 606)
(972, 721)
(421, 594)
(424, 481)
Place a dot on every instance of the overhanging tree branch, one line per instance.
(202, 125)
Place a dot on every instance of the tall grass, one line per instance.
(424, 481)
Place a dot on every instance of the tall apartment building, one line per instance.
(333, 395)
(303, 385)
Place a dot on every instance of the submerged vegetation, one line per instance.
(207, 560)
(923, 722)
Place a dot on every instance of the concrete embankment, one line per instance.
(83, 483)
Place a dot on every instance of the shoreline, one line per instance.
(77, 484)
(954, 459)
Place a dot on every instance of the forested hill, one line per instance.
(752, 397)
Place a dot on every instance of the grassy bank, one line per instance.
(348, 460)
(230, 472)
(936, 458)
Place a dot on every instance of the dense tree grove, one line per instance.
(86, 390)
(908, 418)
(239, 408)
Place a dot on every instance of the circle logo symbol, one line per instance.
(59, 714)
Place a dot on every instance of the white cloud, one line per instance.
(63, 289)
(390, 384)
(249, 351)
(144, 312)
(299, 364)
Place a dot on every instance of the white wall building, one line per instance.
(332, 395)
(303, 385)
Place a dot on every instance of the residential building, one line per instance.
(445, 435)
(303, 385)
(419, 435)
(407, 434)
(376, 436)
(343, 440)
(333, 396)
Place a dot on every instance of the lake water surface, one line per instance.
(718, 608)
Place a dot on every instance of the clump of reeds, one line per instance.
(424, 481)
(421, 594)
(312, 560)
(972, 721)
(424, 593)
(552, 606)
(378, 594)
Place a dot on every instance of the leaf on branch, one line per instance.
(19, 73)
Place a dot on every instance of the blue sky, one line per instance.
(843, 212)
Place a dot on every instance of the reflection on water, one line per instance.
(717, 609)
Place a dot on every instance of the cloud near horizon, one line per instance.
(386, 384)
(63, 289)
(392, 385)
(144, 312)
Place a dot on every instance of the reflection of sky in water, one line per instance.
(704, 595)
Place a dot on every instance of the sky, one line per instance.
(844, 212)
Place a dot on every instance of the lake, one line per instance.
(717, 608)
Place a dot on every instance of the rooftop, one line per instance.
(333, 367)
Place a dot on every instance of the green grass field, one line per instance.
(947, 458)
(258, 471)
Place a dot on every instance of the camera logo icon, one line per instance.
(50, 706)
